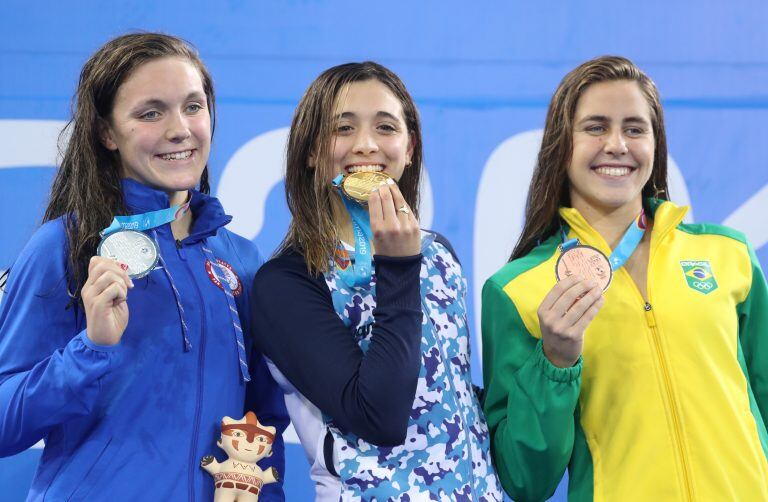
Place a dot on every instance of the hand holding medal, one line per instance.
(104, 296)
(395, 229)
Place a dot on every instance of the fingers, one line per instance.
(98, 266)
(387, 203)
(589, 314)
(374, 209)
(555, 293)
(568, 299)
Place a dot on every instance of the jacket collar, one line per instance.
(207, 213)
(665, 215)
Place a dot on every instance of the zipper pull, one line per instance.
(649, 315)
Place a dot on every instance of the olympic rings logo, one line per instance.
(702, 285)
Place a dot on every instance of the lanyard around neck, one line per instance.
(146, 221)
(359, 271)
(627, 245)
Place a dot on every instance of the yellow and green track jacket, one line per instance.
(669, 398)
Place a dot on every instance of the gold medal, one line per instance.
(358, 186)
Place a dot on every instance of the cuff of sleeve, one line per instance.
(563, 375)
(397, 282)
(394, 261)
(83, 336)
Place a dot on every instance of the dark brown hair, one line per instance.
(549, 187)
(307, 189)
(86, 191)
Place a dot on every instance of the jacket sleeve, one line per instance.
(265, 398)
(529, 403)
(49, 369)
(753, 335)
(295, 325)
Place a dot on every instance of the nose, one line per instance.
(365, 142)
(616, 143)
(178, 128)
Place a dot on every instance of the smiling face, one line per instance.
(613, 148)
(160, 126)
(370, 133)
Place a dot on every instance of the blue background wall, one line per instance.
(482, 78)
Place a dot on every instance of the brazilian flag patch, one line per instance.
(699, 276)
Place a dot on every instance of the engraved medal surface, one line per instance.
(358, 186)
(135, 249)
(587, 261)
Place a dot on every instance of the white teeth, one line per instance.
(178, 155)
(370, 168)
(614, 171)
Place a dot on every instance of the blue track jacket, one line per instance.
(132, 421)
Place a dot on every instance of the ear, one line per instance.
(411, 146)
(106, 135)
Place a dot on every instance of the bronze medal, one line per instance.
(358, 186)
(587, 261)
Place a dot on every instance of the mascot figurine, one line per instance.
(246, 441)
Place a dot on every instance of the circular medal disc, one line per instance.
(358, 186)
(591, 263)
(135, 249)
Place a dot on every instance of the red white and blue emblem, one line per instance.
(224, 273)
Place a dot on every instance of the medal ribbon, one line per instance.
(146, 221)
(233, 315)
(359, 271)
(626, 246)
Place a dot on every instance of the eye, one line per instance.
(150, 115)
(635, 131)
(595, 129)
(194, 107)
(388, 128)
(238, 434)
(262, 439)
(344, 129)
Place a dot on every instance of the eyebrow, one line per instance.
(380, 114)
(603, 118)
(156, 102)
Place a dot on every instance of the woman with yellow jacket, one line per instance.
(620, 342)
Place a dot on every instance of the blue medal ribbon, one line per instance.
(233, 315)
(627, 245)
(359, 271)
(145, 221)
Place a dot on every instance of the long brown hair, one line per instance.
(86, 191)
(307, 188)
(549, 187)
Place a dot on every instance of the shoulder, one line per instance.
(525, 264)
(283, 272)
(441, 240)
(712, 229)
(44, 258)
(241, 250)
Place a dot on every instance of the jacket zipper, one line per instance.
(193, 462)
(677, 428)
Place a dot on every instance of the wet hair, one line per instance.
(308, 169)
(550, 187)
(86, 191)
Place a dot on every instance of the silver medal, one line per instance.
(135, 249)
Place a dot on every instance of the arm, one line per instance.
(265, 398)
(49, 369)
(529, 402)
(295, 325)
(753, 335)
